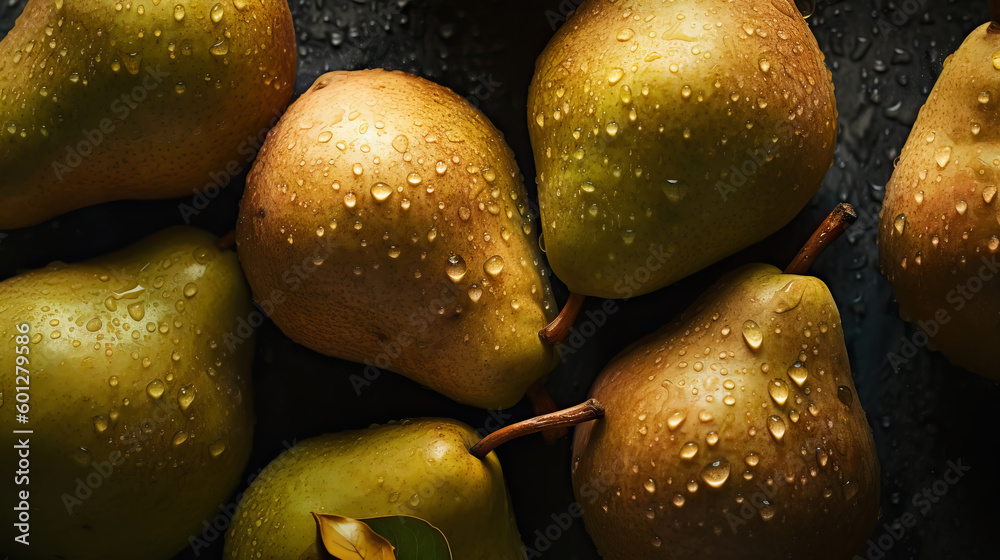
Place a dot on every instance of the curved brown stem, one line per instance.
(542, 403)
(226, 241)
(831, 228)
(590, 410)
(557, 331)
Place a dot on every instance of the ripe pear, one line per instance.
(668, 135)
(385, 222)
(734, 432)
(938, 227)
(105, 100)
(420, 468)
(140, 407)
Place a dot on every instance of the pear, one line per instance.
(734, 432)
(668, 135)
(139, 402)
(938, 226)
(105, 100)
(419, 468)
(385, 222)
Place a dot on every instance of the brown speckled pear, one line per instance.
(385, 222)
(105, 100)
(938, 235)
(140, 397)
(732, 433)
(420, 468)
(670, 134)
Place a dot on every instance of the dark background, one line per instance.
(885, 57)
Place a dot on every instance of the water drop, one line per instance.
(381, 191)
(716, 474)
(155, 389)
(493, 265)
(776, 426)
(778, 391)
(752, 334)
(455, 269)
(798, 373)
(185, 396)
(179, 12)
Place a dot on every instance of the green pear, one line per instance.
(105, 100)
(385, 222)
(668, 135)
(733, 433)
(938, 227)
(420, 468)
(139, 399)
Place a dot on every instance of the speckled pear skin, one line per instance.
(668, 135)
(105, 100)
(420, 468)
(687, 462)
(938, 232)
(137, 395)
(385, 222)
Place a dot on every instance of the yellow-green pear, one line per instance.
(734, 432)
(385, 222)
(670, 134)
(938, 234)
(420, 468)
(136, 394)
(105, 100)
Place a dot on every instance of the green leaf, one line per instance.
(395, 537)
(413, 538)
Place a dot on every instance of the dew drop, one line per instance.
(155, 389)
(776, 426)
(381, 191)
(494, 265)
(752, 334)
(798, 373)
(716, 474)
(778, 391)
(455, 269)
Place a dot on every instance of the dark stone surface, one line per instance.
(885, 57)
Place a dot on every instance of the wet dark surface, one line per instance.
(885, 57)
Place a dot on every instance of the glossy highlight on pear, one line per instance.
(386, 222)
(668, 135)
(938, 234)
(419, 467)
(140, 399)
(104, 100)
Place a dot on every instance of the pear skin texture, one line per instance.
(668, 135)
(385, 222)
(421, 468)
(938, 230)
(142, 418)
(103, 100)
(687, 462)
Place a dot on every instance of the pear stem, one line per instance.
(542, 403)
(839, 220)
(590, 410)
(994, 16)
(557, 331)
(226, 241)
